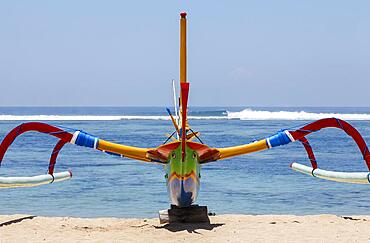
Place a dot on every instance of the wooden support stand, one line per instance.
(191, 214)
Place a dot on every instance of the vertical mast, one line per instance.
(183, 82)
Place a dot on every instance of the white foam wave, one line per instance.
(249, 114)
(246, 114)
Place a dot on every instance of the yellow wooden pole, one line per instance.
(183, 48)
(242, 149)
(127, 151)
(183, 58)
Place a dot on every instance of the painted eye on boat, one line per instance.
(194, 155)
(174, 156)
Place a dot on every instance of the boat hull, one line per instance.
(183, 177)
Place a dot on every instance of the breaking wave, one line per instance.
(249, 114)
(95, 118)
(246, 114)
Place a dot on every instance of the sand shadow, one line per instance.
(350, 218)
(14, 221)
(191, 228)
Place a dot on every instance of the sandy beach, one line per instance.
(223, 228)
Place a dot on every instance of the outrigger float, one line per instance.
(183, 157)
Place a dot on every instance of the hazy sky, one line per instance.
(241, 53)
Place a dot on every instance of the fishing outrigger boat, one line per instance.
(183, 154)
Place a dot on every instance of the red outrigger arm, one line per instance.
(32, 126)
(300, 134)
(64, 137)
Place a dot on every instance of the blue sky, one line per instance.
(240, 53)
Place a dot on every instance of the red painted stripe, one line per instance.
(184, 107)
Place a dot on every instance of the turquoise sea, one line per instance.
(260, 183)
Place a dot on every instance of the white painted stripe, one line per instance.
(74, 137)
(95, 143)
(289, 135)
(268, 143)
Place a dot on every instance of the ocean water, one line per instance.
(259, 183)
